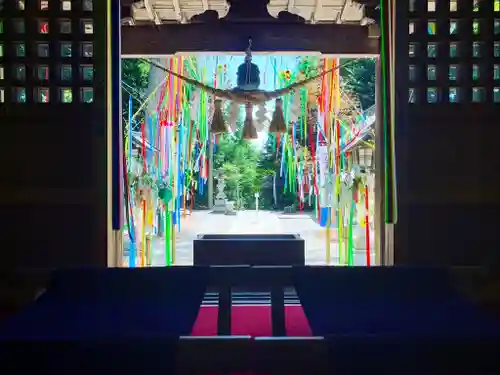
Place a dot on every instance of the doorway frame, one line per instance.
(384, 231)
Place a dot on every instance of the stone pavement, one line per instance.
(248, 222)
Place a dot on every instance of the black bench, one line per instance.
(238, 264)
(225, 280)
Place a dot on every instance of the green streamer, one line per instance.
(168, 241)
(303, 128)
(350, 250)
(203, 119)
(291, 170)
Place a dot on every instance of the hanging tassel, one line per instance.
(261, 120)
(278, 121)
(218, 124)
(234, 112)
(249, 131)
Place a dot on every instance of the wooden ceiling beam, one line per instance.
(317, 7)
(340, 17)
(178, 10)
(153, 16)
(168, 39)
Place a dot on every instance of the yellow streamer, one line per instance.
(175, 92)
(330, 161)
(147, 100)
(173, 242)
(335, 100)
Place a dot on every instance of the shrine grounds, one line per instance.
(252, 222)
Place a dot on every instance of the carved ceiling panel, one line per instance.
(313, 11)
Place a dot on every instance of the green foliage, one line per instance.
(238, 160)
(358, 78)
(308, 66)
(270, 161)
(135, 81)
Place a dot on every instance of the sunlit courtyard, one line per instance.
(257, 222)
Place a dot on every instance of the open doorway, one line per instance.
(317, 178)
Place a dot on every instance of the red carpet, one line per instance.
(253, 321)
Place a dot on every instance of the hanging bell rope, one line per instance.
(278, 125)
(249, 131)
(248, 96)
(218, 124)
(234, 112)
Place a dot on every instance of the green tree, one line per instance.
(308, 66)
(135, 81)
(238, 160)
(269, 164)
(358, 78)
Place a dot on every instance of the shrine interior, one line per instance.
(128, 151)
(303, 165)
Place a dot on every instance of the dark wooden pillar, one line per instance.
(385, 257)
(53, 120)
(447, 132)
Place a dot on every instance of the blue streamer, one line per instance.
(179, 182)
(149, 137)
(200, 187)
(132, 252)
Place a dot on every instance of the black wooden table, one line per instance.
(249, 249)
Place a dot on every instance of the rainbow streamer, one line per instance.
(174, 140)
